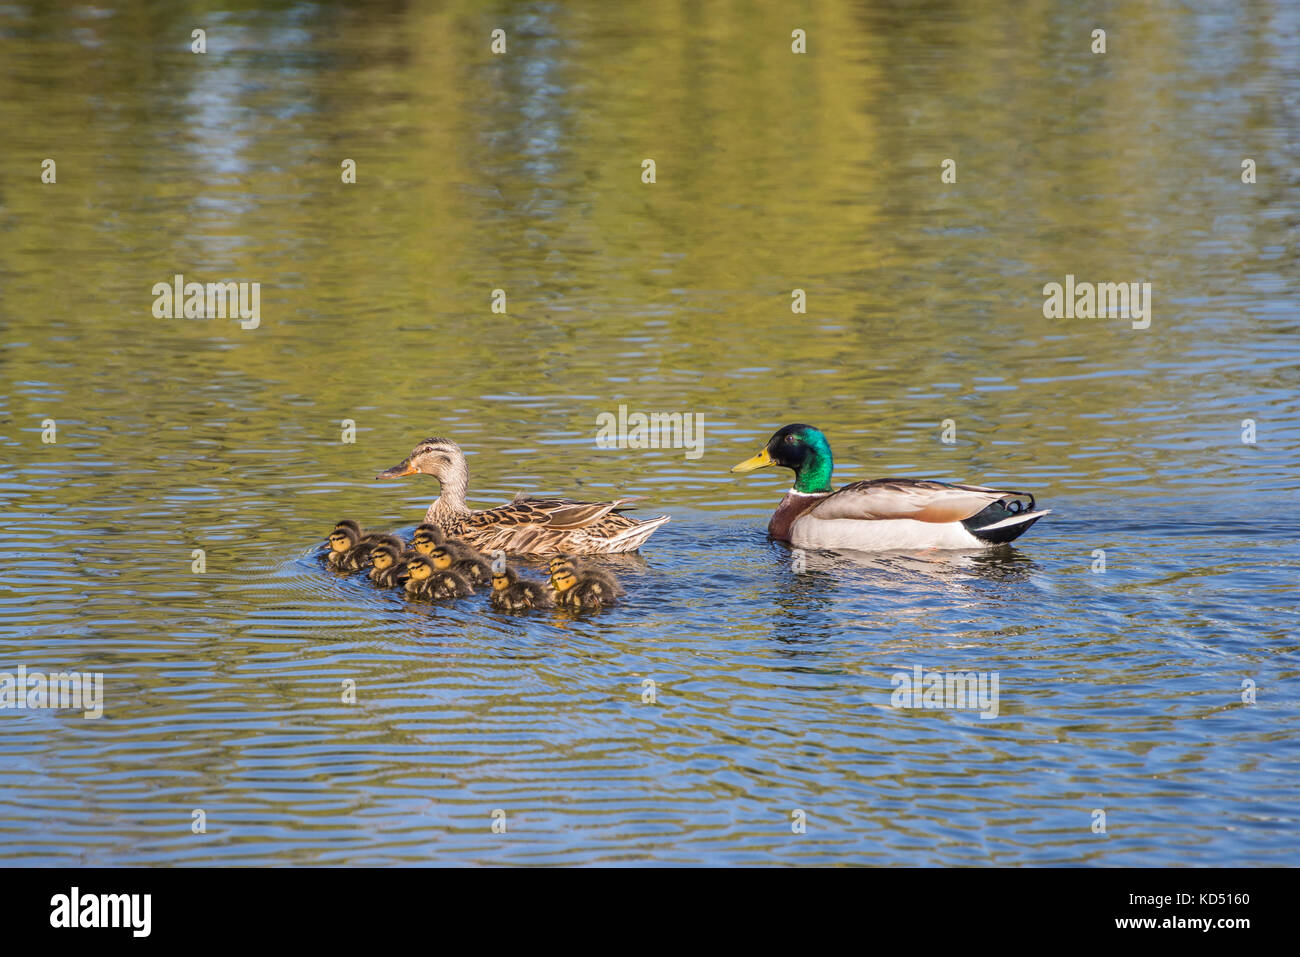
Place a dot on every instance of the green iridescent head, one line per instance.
(801, 448)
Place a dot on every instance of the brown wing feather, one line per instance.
(547, 526)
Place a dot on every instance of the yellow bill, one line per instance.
(759, 461)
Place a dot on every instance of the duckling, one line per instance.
(558, 560)
(463, 560)
(349, 523)
(426, 537)
(580, 590)
(431, 584)
(355, 558)
(607, 581)
(388, 566)
(342, 542)
(380, 538)
(512, 593)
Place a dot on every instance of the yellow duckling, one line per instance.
(607, 581)
(349, 547)
(427, 537)
(580, 591)
(388, 566)
(429, 583)
(349, 523)
(463, 560)
(512, 593)
(343, 542)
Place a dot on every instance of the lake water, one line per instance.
(1121, 691)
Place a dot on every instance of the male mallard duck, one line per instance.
(526, 525)
(607, 581)
(464, 561)
(426, 536)
(388, 566)
(882, 513)
(581, 590)
(427, 582)
(512, 593)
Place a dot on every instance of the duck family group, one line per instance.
(446, 559)
(436, 567)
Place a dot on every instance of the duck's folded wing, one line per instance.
(917, 499)
(555, 513)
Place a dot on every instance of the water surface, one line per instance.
(1121, 691)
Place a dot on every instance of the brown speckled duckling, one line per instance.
(349, 523)
(581, 591)
(512, 593)
(427, 582)
(584, 570)
(379, 538)
(427, 537)
(388, 566)
(358, 558)
(342, 542)
(463, 560)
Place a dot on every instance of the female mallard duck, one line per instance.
(462, 560)
(539, 526)
(427, 582)
(883, 513)
(388, 565)
(581, 591)
(512, 593)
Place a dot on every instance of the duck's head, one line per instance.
(563, 578)
(503, 579)
(384, 556)
(441, 557)
(441, 458)
(419, 568)
(343, 538)
(348, 523)
(801, 448)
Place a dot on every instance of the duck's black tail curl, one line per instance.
(1004, 520)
